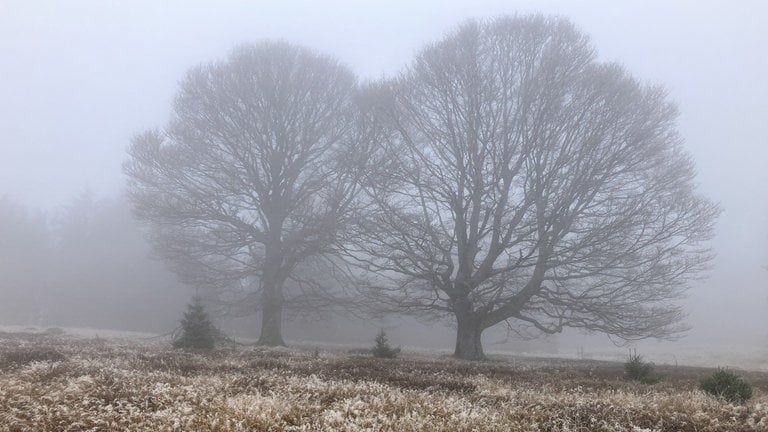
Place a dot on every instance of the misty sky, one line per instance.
(79, 78)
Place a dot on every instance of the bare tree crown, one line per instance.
(533, 185)
(255, 171)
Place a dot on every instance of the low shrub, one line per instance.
(53, 331)
(24, 356)
(727, 385)
(382, 349)
(636, 369)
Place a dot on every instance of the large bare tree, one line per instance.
(524, 182)
(254, 174)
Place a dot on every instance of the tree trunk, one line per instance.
(469, 344)
(272, 297)
(271, 324)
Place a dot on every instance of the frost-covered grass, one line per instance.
(114, 385)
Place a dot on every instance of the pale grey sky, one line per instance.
(80, 77)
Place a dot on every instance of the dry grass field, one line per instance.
(54, 382)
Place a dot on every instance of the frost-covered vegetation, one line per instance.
(107, 384)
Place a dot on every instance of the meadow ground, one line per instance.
(59, 382)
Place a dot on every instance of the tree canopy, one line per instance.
(254, 173)
(527, 183)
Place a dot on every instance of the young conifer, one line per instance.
(197, 331)
(382, 349)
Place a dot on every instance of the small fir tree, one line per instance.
(382, 349)
(636, 369)
(727, 385)
(197, 331)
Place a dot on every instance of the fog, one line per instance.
(80, 78)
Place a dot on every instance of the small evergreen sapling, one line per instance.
(636, 369)
(727, 385)
(197, 331)
(382, 349)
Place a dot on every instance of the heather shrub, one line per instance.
(54, 331)
(727, 385)
(637, 369)
(197, 331)
(382, 349)
(23, 356)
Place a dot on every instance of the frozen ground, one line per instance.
(133, 382)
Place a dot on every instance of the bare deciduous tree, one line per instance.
(530, 184)
(254, 174)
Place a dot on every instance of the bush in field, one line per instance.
(197, 331)
(636, 369)
(382, 349)
(727, 385)
(24, 356)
